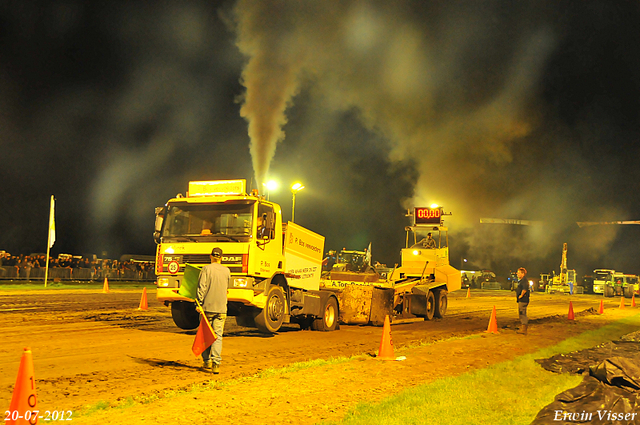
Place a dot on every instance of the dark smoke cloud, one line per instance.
(457, 91)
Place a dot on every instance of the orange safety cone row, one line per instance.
(622, 303)
(105, 287)
(571, 315)
(23, 408)
(386, 344)
(633, 300)
(143, 300)
(469, 292)
(601, 309)
(493, 323)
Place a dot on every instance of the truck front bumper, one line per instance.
(168, 295)
(244, 296)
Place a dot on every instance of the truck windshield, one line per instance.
(602, 276)
(209, 222)
(441, 240)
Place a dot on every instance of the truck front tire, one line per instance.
(271, 316)
(184, 315)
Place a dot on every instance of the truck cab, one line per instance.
(602, 279)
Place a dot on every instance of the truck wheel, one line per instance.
(608, 291)
(431, 306)
(184, 315)
(441, 303)
(271, 316)
(627, 291)
(329, 319)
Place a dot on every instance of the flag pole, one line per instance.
(204, 315)
(50, 242)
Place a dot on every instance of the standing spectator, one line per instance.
(26, 265)
(212, 296)
(522, 294)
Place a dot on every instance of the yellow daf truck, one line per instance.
(275, 266)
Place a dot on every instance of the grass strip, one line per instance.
(511, 392)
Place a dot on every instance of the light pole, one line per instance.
(297, 187)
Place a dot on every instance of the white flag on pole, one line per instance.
(367, 257)
(52, 224)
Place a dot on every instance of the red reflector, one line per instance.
(159, 264)
(245, 263)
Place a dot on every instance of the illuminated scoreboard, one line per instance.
(424, 215)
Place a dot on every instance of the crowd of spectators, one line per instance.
(98, 268)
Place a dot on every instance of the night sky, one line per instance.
(523, 110)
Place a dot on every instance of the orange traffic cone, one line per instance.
(571, 315)
(493, 323)
(23, 408)
(105, 287)
(386, 344)
(601, 309)
(469, 292)
(143, 300)
(633, 300)
(622, 303)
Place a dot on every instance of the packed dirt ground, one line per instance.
(90, 346)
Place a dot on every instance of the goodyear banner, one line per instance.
(303, 252)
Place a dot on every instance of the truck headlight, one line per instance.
(163, 281)
(240, 282)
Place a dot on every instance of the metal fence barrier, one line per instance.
(59, 273)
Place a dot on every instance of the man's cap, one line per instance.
(216, 252)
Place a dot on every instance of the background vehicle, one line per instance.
(351, 261)
(545, 279)
(512, 281)
(488, 280)
(587, 284)
(601, 279)
(566, 281)
(630, 285)
(621, 285)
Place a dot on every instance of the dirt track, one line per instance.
(89, 346)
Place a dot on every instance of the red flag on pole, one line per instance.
(204, 338)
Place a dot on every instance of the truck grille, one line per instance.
(196, 258)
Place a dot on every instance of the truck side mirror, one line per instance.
(158, 224)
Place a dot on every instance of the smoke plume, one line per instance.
(455, 89)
